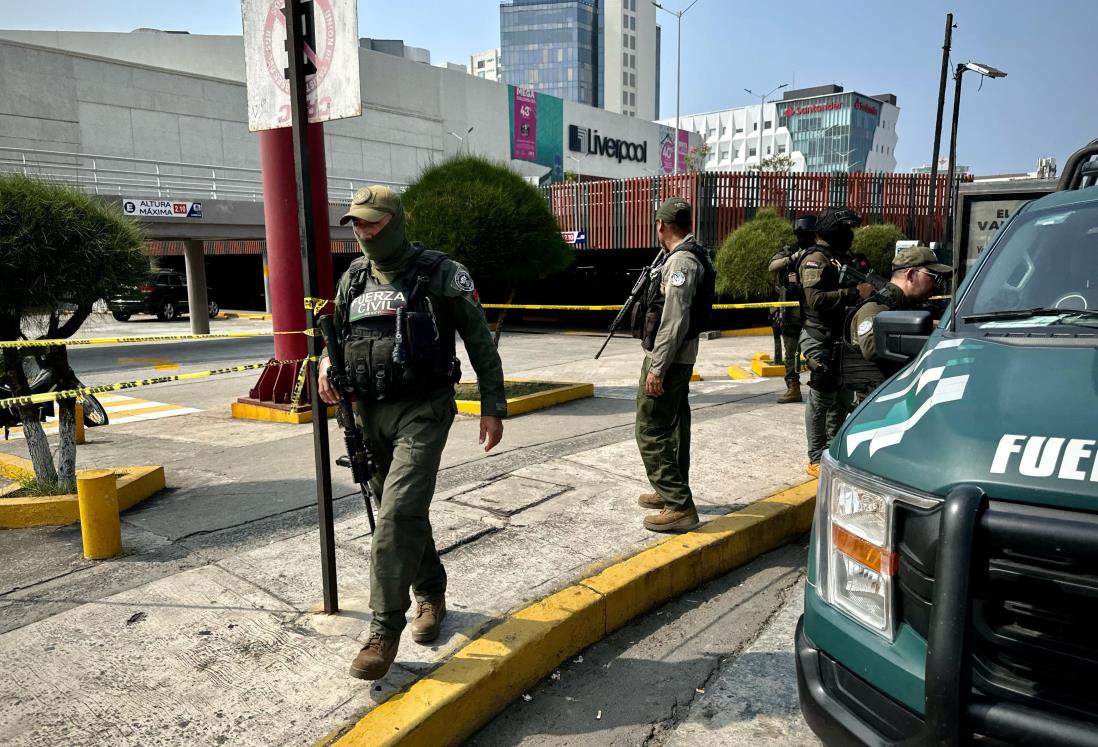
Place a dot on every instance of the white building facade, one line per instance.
(487, 65)
(822, 129)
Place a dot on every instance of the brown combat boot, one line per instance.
(669, 520)
(792, 394)
(650, 500)
(427, 623)
(375, 658)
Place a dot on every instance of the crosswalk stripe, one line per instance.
(122, 409)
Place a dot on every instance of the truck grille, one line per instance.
(1034, 615)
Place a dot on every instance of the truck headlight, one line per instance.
(855, 559)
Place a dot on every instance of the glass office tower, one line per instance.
(552, 46)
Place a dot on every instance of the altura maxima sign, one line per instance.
(588, 141)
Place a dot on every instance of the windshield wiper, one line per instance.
(1027, 313)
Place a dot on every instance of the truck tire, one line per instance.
(167, 311)
(120, 316)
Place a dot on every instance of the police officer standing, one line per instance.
(787, 319)
(916, 274)
(824, 310)
(404, 391)
(676, 307)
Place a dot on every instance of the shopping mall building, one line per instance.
(821, 129)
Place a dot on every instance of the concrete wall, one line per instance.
(181, 98)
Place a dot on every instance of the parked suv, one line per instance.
(953, 568)
(163, 294)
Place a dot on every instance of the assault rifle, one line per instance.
(638, 289)
(359, 458)
(858, 270)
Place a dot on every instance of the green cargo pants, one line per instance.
(407, 437)
(825, 409)
(663, 435)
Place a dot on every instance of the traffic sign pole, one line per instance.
(299, 15)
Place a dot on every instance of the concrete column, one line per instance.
(276, 155)
(266, 283)
(196, 287)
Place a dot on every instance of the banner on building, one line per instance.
(333, 90)
(537, 129)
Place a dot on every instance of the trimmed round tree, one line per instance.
(743, 258)
(490, 219)
(878, 244)
(61, 251)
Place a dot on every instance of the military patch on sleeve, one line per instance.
(865, 327)
(678, 278)
(810, 276)
(463, 281)
(813, 264)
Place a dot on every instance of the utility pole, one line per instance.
(678, 73)
(946, 46)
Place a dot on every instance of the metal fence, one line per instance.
(619, 214)
(135, 177)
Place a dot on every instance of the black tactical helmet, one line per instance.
(805, 224)
(832, 219)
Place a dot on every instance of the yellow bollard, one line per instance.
(79, 423)
(97, 494)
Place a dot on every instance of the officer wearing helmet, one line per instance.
(824, 310)
(787, 319)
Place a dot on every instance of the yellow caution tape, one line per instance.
(316, 304)
(148, 338)
(35, 399)
(300, 383)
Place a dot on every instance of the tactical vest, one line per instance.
(858, 374)
(392, 343)
(649, 312)
(825, 325)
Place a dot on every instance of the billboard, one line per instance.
(537, 129)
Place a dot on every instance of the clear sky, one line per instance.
(1047, 106)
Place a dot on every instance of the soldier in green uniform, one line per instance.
(399, 306)
(787, 319)
(916, 274)
(824, 311)
(676, 307)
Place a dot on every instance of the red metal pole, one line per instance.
(276, 155)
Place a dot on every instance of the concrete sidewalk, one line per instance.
(203, 632)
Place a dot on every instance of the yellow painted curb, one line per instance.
(740, 374)
(135, 484)
(245, 411)
(451, 703)
(763, 366)
(749, 332)
(695, 376)
(536, 401)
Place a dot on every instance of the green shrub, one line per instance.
(878, 244)
(743, 257)
(487, 217)
(61, 248)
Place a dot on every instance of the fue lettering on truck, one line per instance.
(901, 411)
(1046, 456)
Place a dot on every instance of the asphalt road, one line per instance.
(121, 362)
(713, 667)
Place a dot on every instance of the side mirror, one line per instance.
(901, 335)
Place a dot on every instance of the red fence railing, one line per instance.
(619, 214)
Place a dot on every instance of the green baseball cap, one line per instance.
(675, 210)
(918, 256)
(372, 204)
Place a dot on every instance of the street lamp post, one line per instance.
(678, 72)
(461, 138)
(980, 69)
(762, 103)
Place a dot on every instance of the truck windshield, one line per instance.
(1046, 266)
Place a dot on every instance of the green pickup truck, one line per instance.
(953, 569)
